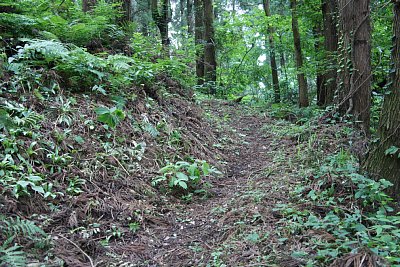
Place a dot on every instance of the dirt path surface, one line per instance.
(236, 225)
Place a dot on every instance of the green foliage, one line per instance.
(16, 24)
(367, 223)
(110, 116)
(13, 227)
(79, 69)
(10, 228)
(12, 255)
(184, 175)
(393, 151)
(17, 157)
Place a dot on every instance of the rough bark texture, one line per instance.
(328, 83)
(274, 68)
(210, 63)
(303, 88)
(317, 31)
(355, 60)
(377, 163)
(189, 16)
(199, 40)
(161, 18)
(127, 6)
(88, 5)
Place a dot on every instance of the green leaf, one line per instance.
(253, 237)
(120, 114)
(392, 150)
(24, 184)
(205, 168)
(183, 184)
(5, 120)
(79, 139)
(182, 177)
(38, 189)
(101, 110)
(166, 169)
(35, 178)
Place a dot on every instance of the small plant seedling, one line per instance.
(184, 175)
(110, 116)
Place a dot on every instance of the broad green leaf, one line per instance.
(101, 110)
(24, 184)
(183, 185)
(38, 189)
(79, 139)
(182, 177)
(35, 178)
(206, 168)
(392, 150)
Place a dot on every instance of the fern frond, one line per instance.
(12, 227)
(12, 255)
(149, 128)
(39, 49)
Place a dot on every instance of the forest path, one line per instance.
(236, 226)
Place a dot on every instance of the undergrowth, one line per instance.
(339, 215)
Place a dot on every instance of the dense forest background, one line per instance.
(273, 123)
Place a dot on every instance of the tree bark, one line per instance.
(127, 7)
(272, 55)
(329, 78)
(189, 16)
(378, 163)
(355, 61)
(303, 88)
(88, 5)
(199, 40)
(161, 18)
(210, 63)
(320, 80)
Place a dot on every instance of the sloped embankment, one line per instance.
(80, 166)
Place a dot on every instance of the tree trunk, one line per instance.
(189, 16)
(317, 31)
(127, 7)
(199, 40)
(210, 63)
(274, 68)
(329, 84)
(88, 5)
(303, 88)
(378, 163)
(355, 61)
(162, 18)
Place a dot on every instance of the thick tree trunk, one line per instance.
(378, 163)
(189, 16)
(303, 88)
(210, 63)
(88, 5)
(355, 60)
(162, 18)
(199, 40)
(329, 84)
(274, 67)
(127, 6)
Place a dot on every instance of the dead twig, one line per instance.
(81, 250)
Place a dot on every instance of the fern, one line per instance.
(42, 49)
(12, 255)
(16, 114)
(16, 24)
(13, 227)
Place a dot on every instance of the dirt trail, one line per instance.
(235, 226)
